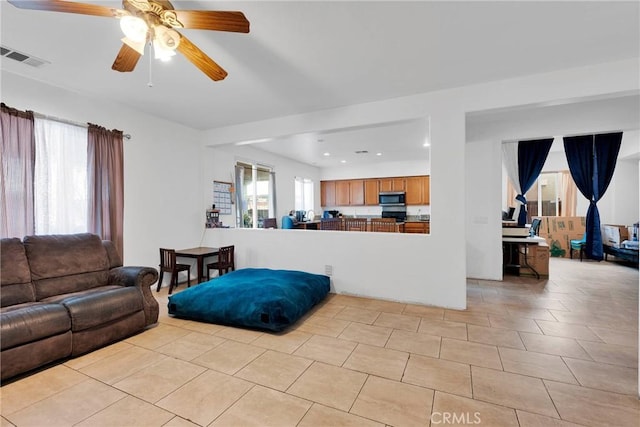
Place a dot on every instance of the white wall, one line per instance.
(484, 255)
(380, 170)
(435, 266)
(408, 273)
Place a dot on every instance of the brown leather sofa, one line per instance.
(65, 295)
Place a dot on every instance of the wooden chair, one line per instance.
(355, 224)
(331, 224)
(225, 262)
(269, 223)
(168, 264)
(386, 225)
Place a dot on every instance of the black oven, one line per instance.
(391, 198)
(399, 213)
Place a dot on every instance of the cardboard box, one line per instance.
(538, 258)
(558, 231)
(614, 235)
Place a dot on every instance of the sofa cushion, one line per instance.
(15, 277)
(25, 323)
(101, 306)
(61, 264)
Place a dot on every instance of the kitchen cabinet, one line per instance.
(371, 192)
(417, 227)
(356, 192)
(364, 192)
(343, 190)
(328, 193)
(426, 190)
(414, 190)
(417, 192)
(392, 184)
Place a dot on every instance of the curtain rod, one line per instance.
(69, 122)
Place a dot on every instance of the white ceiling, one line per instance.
(312, 55)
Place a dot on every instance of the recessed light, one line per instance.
(426, 144)
(378, 154)
(343, 161)
(326, 154)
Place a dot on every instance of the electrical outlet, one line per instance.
(328, 270)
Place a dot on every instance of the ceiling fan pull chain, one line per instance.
(150, 84)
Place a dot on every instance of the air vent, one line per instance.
(362, 152)
(22, 57)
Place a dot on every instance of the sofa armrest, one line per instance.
(142, 278)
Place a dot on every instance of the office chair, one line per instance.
(168, 264)
(225, 262)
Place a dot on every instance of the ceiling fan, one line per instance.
(153, 21)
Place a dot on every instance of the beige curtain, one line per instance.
(17, 163)
(105, 176)
(511, 194)
(569, 195)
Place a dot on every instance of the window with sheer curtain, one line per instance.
(255, 194)
(303, 194)
(60, 178)
(552, 194)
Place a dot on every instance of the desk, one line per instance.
(512, 244)
(199, 253)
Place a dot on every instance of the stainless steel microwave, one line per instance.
(391, 198)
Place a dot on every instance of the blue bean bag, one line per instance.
(252, 297)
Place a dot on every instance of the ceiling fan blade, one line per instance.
(200, 59)
(212, 20)
(126, 60)
(65, 6)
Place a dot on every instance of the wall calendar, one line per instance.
(222, 196)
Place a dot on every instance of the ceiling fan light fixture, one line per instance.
(134, 28)
(161, 53)
(167, 38)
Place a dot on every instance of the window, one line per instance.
(60, 187)
(303, 194)
(553, 194)
(255, 192)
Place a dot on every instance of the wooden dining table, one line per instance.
(199, 253)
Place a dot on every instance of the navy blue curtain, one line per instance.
(592, 161)
(531, 157)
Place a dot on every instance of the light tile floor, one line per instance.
(558, 352)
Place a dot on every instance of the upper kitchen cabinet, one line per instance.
(356, 192)
(417, 191)
(343, 193)
(392, 184)
(328, 193)
(364, 192)
(371, 192)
